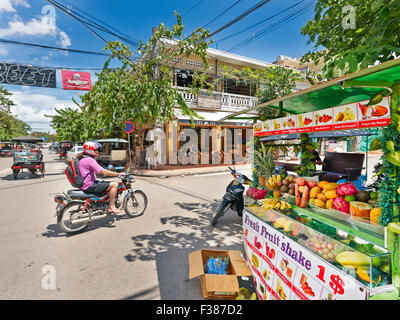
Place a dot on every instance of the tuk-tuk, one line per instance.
(64, 147)
(6, 149)
(113, 155)
(27, 154)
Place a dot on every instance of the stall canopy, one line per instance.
(355, 87)
(323, 134)
(114, 140)
(27, 139)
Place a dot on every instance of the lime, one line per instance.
(373, 195)
(350, 198)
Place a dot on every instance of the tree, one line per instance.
(11, 126)
(76, 124)
(347, 48)
(143, 91)
(272, 82)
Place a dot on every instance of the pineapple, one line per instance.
(264, 164)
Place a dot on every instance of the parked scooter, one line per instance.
(76, 209)
(233, 197)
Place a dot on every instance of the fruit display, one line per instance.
(264, 165)
(360, 209)
(256, 193)
(307, 147)
(275, 204)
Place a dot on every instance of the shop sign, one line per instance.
(74, 80)
(285, 270)
(27, 75)
(350, 116)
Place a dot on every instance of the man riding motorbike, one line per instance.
(88, 168)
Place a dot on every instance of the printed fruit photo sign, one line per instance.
(356, 115)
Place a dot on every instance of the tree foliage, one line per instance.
(375, 37)
(76, 124)
(143, 91)
(10, 126)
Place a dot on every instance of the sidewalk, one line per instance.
(187, 171)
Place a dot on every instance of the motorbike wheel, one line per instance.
(136, 204)
(64, 219)
(221, 210)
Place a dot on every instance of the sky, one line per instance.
(274, 29)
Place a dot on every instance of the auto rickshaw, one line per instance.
(6, 149)
(64, 147)
(113, 155)
(27, 154)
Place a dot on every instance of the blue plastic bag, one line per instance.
(216, 266)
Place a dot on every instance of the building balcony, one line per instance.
(217, 100)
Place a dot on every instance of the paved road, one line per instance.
(113, 259)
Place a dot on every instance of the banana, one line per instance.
(283, 205)
(279, 178)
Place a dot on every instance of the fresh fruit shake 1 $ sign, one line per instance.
(285, 270)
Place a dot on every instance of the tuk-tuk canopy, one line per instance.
(359, 86)
(27, 139)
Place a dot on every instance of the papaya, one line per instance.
(331, 194)
(353, 258)
(365, 273)
(330, 186)
(321, 197)
(319, 203)
(322, 183)
(314, 192)
(329, 204)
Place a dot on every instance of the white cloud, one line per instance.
(65, 40)
(31, 107)
(8, 5)
(5, 5)
(34, 27)
(3, 51)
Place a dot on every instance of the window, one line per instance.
(241, 87)
(184, 78)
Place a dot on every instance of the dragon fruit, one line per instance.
(257, 193)
(340, 204)
(346, 189)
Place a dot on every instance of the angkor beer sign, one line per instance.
(27, 75)
(73, 80)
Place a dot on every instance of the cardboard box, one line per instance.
(216, 286)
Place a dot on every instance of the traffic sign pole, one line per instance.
(129, 129)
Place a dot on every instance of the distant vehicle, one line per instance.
(71, 154)
(6, 149)
(27, 154)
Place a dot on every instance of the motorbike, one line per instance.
(76, 209)
(233, 197)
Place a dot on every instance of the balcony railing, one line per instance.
(219, 100)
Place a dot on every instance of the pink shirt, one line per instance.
(88, 167)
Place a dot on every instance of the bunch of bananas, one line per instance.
(275, 204)
(274, 181)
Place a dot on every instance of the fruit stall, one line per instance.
(306, 238)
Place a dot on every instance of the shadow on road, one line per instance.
(141, 294)
(146, 246)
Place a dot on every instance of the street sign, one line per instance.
(129, 127)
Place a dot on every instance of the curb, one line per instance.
(183, 172)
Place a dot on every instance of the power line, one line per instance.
(258, 23)
(96, 25)
(240, 17)
(272, 27)
(221, 14)
(43, 46)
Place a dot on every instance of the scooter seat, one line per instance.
(81, 194)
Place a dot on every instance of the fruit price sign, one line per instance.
(349, 116)
(285, 270)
